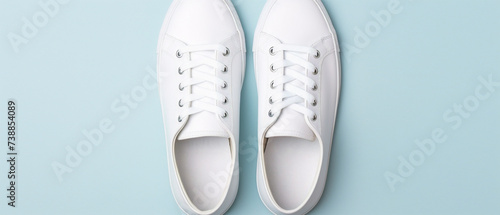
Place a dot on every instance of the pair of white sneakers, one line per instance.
(201, 67)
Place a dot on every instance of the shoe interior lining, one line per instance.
(203, 165)
(291, 166)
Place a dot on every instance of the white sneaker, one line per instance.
(201, 62)
(298, 80)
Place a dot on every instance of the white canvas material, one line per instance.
(201, 62)
(297, 69)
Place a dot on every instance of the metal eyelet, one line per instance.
(227, 52)
(225, 100)
(272, 85)
(315, 87)
(225, 115)
(180, 71)
(181, 88)
(270, 114)
(179, 119)
(271, 100)
(314, 103)
(180, 103)
(178, 54)
(314, 117)
(271, 51)
(224, 85)
(272, 68)
(315, 72)
(225, 69)
(318, 54)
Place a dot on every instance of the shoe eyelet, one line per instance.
(224, 85)
(180, 71)
(315, 87)
(181, 88)
(225, 115)
(180, 103)
(318, 54)
(315, 117)
(270, 114)
(272, 85)
(227, 52)
(315, 72)
(314, 103)
(225, 100)
(272, 68)
(271, 100)
(178, 54)
(271, 51)
(179, 119)
(225, 69)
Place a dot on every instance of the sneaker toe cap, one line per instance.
(198, 22)
(300, 22)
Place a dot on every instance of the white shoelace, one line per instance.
(293, 96)
(202, 71)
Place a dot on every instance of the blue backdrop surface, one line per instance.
(417, 130)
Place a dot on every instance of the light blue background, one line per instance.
(395, 90)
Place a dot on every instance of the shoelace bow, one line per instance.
(293, 96)
(199, 75)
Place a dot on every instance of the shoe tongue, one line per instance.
(203, 124)
(291, 124)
